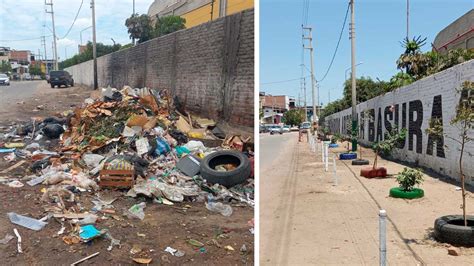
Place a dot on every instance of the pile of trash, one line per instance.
(139, 141)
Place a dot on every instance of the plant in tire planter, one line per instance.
(384, 147)
(456, 229)
(407, 180)
(365, 116)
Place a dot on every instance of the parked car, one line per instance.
(286, 128)
(27, 76)
(276, 129)
(61, 77)
(4, 80)
(305, 127)
(263, 129)
(295, 128)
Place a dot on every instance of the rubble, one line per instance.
(131, 142)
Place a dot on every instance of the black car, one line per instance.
(61, 77)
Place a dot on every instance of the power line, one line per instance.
(29, 39)
(337, 46)
(74, 21)
(282, 81)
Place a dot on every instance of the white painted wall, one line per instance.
(443, 83)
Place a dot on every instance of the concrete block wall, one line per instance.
(413, 106)
(210, 68)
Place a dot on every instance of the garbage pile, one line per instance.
(130, 140)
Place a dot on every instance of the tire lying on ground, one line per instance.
(450, 229)
(347, 156)
(226, 178)
(397, 192)
(360, 162)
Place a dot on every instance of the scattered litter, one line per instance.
(243, 249)
(15, 184)
(69, 240)
(27, 222)
(84, 259)
(195, 243)
(142, 260)
(136, 211)
(230, 248)
(6, 239)
(89, 232)
(219, 207)
(170, 250)
(18, 240)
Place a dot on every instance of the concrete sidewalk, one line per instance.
(305, 219)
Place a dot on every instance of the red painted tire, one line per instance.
(372, 173)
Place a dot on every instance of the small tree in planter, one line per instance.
(459, 231)
(407, 180)
(365, 117)
(384, 147)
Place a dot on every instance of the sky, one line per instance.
(379, 28)
(24, 19)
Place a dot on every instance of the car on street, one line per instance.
(295, 128)
(276, 129)
(4, 80)
(60, 77)
(27, 76)
(305, 127)
(286, 128)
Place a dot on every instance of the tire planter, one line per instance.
(450, 229)
(415, 193)
(228, 178)
(360, 162)
(372, 173)
(347, 156)
(333, 145)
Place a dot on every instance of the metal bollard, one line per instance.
(326, 156)
(383, 237)
(334, 168)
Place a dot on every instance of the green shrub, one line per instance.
(408, 178)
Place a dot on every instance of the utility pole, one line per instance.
(305, 104)
(408, 18)
(313, 80)
(212, 9)
(55, 50)
(133, 39)
(353, 79)
(94, 48)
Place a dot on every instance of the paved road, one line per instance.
(18, 91)
(272, 147)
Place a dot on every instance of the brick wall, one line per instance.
(413, 106)
(209, 67)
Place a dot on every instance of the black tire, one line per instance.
(360, 162)
(450, 229)
(72, 83)
(229, 178)
(52, 86)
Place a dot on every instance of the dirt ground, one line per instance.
(163, 225)
(315, 221)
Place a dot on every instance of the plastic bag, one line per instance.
(195, 146)
(219, 207)
(136, 211)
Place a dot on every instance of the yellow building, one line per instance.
(198, 11)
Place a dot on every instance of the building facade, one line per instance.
(198, 11)
(457, 35)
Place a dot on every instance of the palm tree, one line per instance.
(413, 61)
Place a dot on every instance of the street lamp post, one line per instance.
(345, 73)
(80, 33)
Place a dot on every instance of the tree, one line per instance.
(5, 67)
(102, 49)
(36, 71)
(294, 117)
(463, 120)
(139, 27)
(393, 138)
(168, 24)
(413, 61)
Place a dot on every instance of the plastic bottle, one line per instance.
(219, 207)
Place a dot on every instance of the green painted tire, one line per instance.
(397, 192)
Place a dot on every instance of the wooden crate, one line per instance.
(117, 178)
